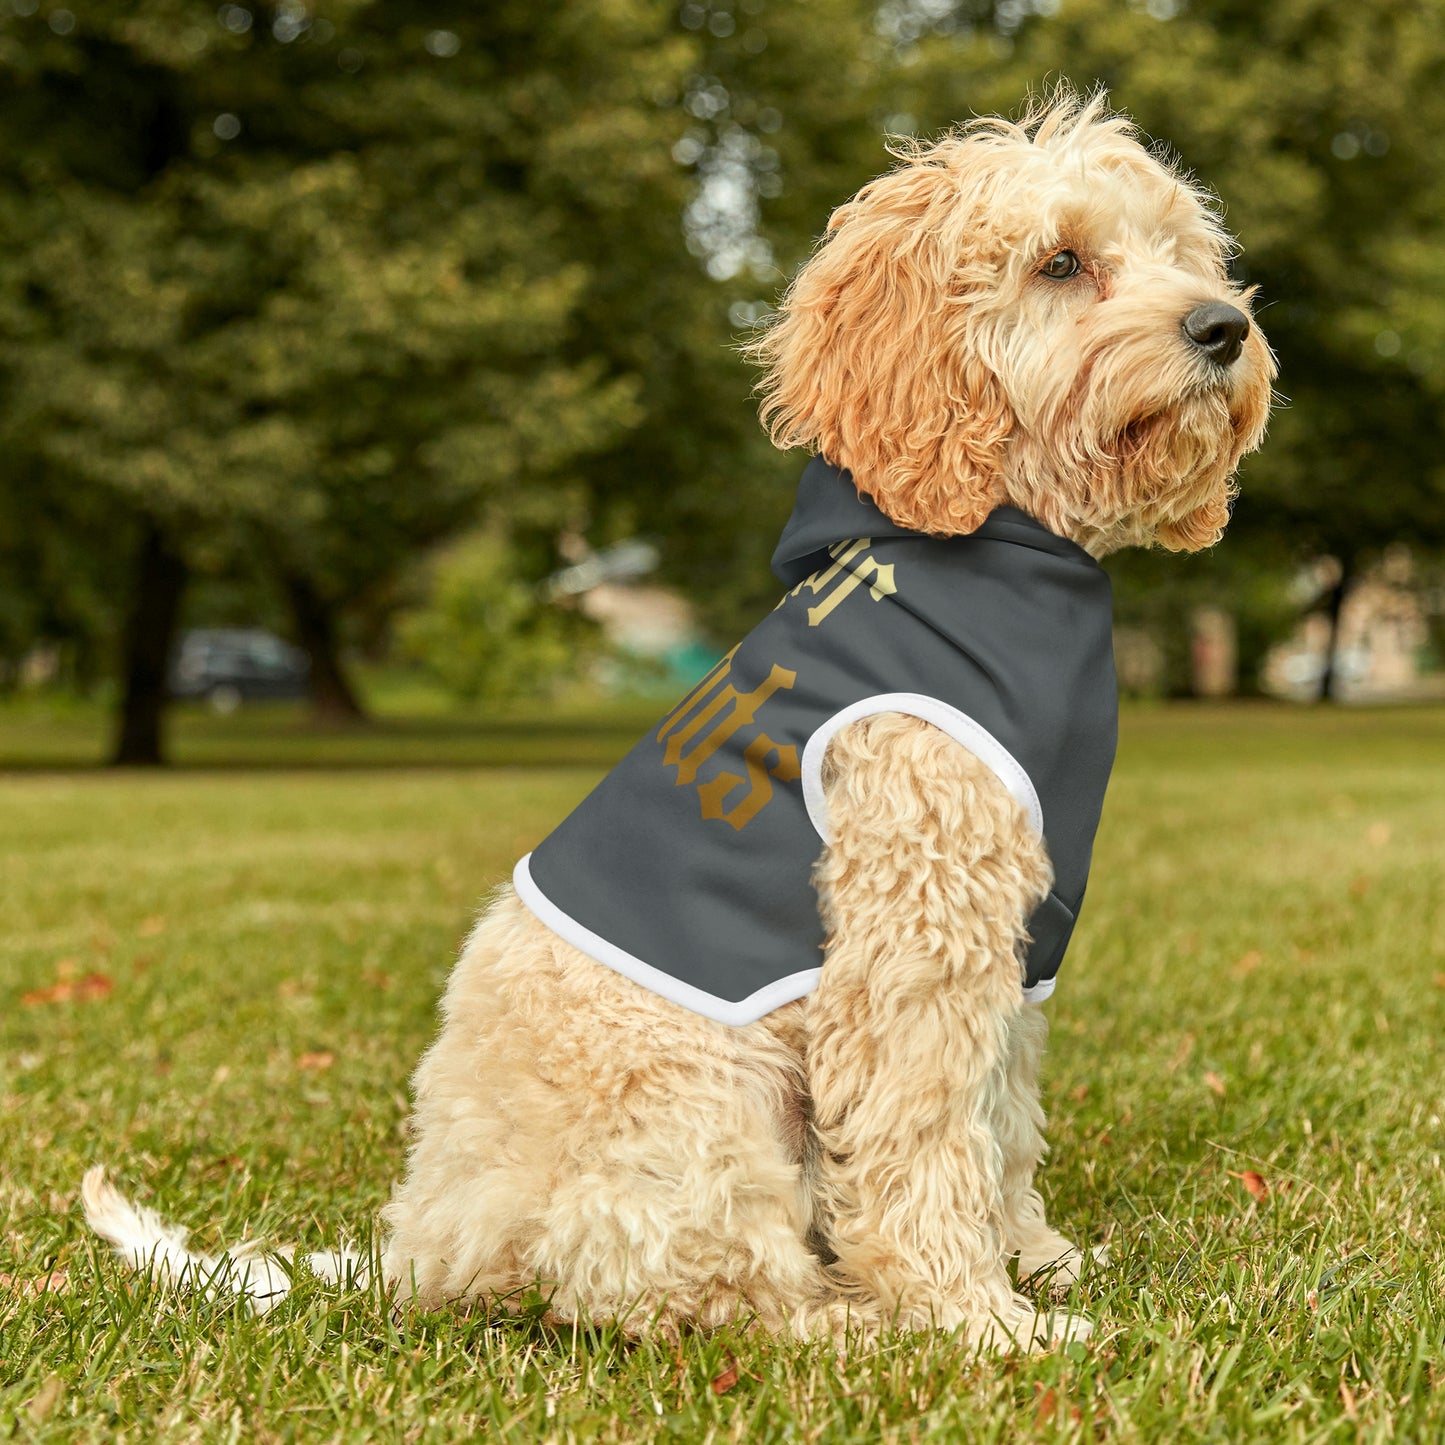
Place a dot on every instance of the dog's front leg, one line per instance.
(1042, 1251)
(925, 888)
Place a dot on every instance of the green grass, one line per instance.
(408, 730)
(1256, 985)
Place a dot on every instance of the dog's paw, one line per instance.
(1060, 1327)
(1058, 1267)
(1023, 1326)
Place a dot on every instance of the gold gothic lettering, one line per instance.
(744, 711)
(719, 671)
(846, 579)
(701, 724)
(760, 790)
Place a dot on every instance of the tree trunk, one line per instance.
(333, 699)
(150, 631)
(1329, 680)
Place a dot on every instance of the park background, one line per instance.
(408, 333)
(361, 323)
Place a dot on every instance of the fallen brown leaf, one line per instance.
(56, 1282)
(1181, 1054)
(320, 1059)
(151, 927)
(1046, 1408)
(82, 990)
(1248, 963)
(1080, 1094)
(1359, 886)
(377, 978)
(56, 993)
(1254, 1183)
(1440, 980)
(1214, 1083)
(724, 1382)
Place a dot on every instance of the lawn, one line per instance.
(217, 979)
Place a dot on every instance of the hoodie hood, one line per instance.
(830, 509)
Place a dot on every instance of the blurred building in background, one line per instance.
(1382, 646)
(652, 632)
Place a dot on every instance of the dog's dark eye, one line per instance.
(1060, 266)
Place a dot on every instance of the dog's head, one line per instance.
(1034, 313)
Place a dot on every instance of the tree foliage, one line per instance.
(486, 633)
(314, 287)
(300, 290)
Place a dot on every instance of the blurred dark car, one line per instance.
(230, 665)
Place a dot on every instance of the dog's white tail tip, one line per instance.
(147, 1243)
(139, 1235)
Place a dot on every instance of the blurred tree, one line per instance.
(305, 282)
(485, 633)
(59, 574)
(325, 284)
(322, 284)
(779, 116)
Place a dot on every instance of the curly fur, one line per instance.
(866, 1156)
(643, 1163)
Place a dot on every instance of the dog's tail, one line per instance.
(147, 1243)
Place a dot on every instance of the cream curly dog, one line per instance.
(1029, 315)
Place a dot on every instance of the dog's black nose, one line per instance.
(1218, 331)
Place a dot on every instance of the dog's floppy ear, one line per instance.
(872, 359)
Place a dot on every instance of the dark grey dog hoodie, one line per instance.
(688, 867)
